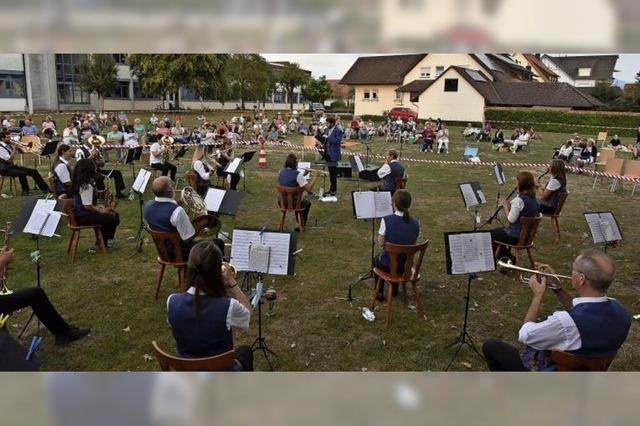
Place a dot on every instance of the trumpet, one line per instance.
(4, 290)
(505, 262)
(29, 147)
(316, 171)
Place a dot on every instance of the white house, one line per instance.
(584, 70)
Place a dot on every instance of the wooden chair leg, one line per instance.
(416, 295)
(71, 237)
(74, 247)
(556, 224)
(404, 294)
(300, 222)
(281, 226)
(376, 288)
(160, 275)
(533, 263)
(101, 246)
(181, 278)
(389, 303)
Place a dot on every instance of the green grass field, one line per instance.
(314, 328)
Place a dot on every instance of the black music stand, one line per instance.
(604, 228)
(468, 253)
(133, 155)
(138, 187)
(370, 205)
(472, 196)
(246, 157)
(181, 153)
(49, 149)
(223, 201)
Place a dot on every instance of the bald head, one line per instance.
(162, 187)
(597, 267)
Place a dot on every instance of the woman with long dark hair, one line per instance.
(550, 195)
(85, 195)
(202, 318)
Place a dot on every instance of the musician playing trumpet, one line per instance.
(592, 324)
(8, 151)
(292, 178)
(224, 157)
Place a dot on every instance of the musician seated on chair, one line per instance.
(226, 155)
(8, 168)
(202, 318)
(389, 172)
(157, 159)
(61, 171)
(163, 214)
(290, 177)
(85, 195)
(37, 299)
(398, 228)
(524, 204)
(557, 185)
(592, 325)
(202, 165)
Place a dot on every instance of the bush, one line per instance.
(588, 123)
(341, 105)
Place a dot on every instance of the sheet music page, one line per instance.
(39, 215)
(610, 229)
(51, 224)
(304, 165)
(213, 199)
(140, 184)
(259, 258)
(469, 195)
(497, 170)
(470, 253)
(595, 227)
(359, 164)
(279, 244)
(364, 204)
(279, 253)
(483, 199)
(233, 165)
(382, 203)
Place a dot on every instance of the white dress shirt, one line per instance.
(198, 167)
(558, 331)
(385, 169)
(5, 151)
(86, 195)
(238, 315)
(62, 171)
(179, 219)
(155, 156)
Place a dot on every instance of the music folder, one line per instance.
(603, 226)
(233, 165)
(223, 201)
(469, 252)
(472, 194)
(371, 204)
(141, 181)
(368, 172)
(247, 156)
(38, 217)
(281, 246)
(499, 173)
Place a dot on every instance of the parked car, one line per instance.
(403, 113)
(316, 106)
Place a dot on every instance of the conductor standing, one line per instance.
(332, 143)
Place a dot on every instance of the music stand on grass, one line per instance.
(468, 253)
(258, 252)
(473, 197)
(133, 155)
(49, 149)
(138, 188)
(604, 228)
(246, 157)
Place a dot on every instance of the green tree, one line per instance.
(292, 76)
(249, 76)
(99, 74)
(163, 74)
(605, 92)
(317, 90)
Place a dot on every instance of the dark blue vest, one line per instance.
(60, 187)
(603, 327)
(389, 181)
(553, 200)
(288, 177)
(86, 152)
(398, 232)
(201, 184)
(205, 335)
(158, 215)
(531, 209)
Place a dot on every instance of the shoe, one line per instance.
(110, 243)
(74, 333)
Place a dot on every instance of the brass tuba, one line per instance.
(193, 203)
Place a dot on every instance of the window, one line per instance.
(450, 84)
(399, 95)
(67, 76)
(367, 95)
(12, 85)
(425, 72)
(121, 91)
(374, 94)
(120, 58)
(138, 93)
(584, 72)
(280, 97)
(439, 70)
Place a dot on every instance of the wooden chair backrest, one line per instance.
(52, 185)
(168, 243)
(146, 158)
(411, 264)
(222, 362)
(401, 183)
(191, 179)
(528, 230)
(606, 155)
(68, 210)
(561, 200)
(632, 168)
(290, 196)
(614, 166)
(570, 362)
(602, 136)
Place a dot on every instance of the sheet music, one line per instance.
(51, 224)
(469, 195)
(372, 204)
(140, 184)
(259, 258)
(304, 165)
(278, 242)
(233, 165)
(39, 215)
(471, 253)
(603, 227)
(480, 194)
(497, 170)
(358, 162)
(213, 199)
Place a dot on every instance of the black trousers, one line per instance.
(108, 223)
(502, 356)
(544, 209)
(235, 178)
(244, 355)
(166, 168)
(37, 299)
(333, 177)
(500, 234)
(21, 173)
(118, 180)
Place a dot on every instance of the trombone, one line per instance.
(505, 262)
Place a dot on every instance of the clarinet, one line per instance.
(497, 210)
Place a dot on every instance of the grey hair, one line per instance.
(597, 267)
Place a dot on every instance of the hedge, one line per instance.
(586, 123)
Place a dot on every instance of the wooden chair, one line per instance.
(411, 274)
(570, 362)
(290, 200)
(51, 181)
(525, 241)
(605, 155)
(401, 182)
(13, 186)
(632, 170)
(562, 198)
(169, 246)
(145, 159)
(614, 167)
(74, 239)
(222, 362)
(602, 138)
(190, 176)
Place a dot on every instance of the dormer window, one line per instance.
(584, 72)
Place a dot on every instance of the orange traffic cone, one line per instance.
(262, 161)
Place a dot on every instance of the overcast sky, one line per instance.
(335, 65)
